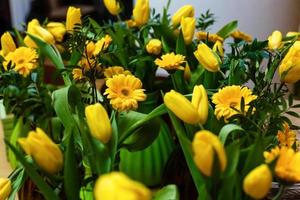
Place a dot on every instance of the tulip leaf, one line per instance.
(71, 179)
(169, 192)
(226, 30)
(227, 129)
(180, 45)
(185, 144)
(233, 154)
(18, 178)
(165, 45)
(43, 187)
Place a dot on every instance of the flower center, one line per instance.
(21, 61)
(125, 92)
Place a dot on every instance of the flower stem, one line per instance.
(280, 193)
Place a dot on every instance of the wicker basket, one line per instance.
(290, 193)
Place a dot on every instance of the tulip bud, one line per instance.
(207, 58)
(5, 188)
(188, 26)
(154, 46)
(113, 6)
(34, 28)
(7, 43)
(275, 40)
(205, 144)
(189, 114)
(185, 11)
(44, 151)
(141, 12)
(117, 185)
(73, 18)
(200, 101)
(218, 48)
(58, 30)
(289, 68)
(100, 129)
(258, 182)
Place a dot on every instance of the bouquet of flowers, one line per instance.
(152, 107)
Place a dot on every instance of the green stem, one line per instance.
(280, 193)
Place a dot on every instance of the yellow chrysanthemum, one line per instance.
(230, 97)
(271, 155)
(124, 92)
(115, 70)
(77, 74)
(212, 37)
(241, 36)
(286, 137)
(170, 61)
(23, 60)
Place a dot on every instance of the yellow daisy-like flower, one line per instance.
(23, 60)
(124, 92)
(77, 74)
(212, 37)
(286, 137)
(171, 61)
(271, 155)
(230, 97)
(115, 70)
(241, 36)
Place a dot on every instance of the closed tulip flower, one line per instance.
(189, 114)
(200, 101)
(289, 68)
(34, 28)
(73, 18)
(275, 40)
(258, 182)
(43, 150)
(141, 12)
(113, 6)
(5, 188)
(57, 29)
(185, 11)
(188, 26)
(205, 144)
(7, 43)
(207, 58)
(154, 46)
(117, 186)
(98, 122)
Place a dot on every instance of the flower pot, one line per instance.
(290, 192)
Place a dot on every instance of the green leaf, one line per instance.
(227, 129)
(71, 179)
(180, 45)
(169, 192)
(165, 45)
(185, 144)
(233, 154)
(226, 30)
(18, 178)
(43, 187)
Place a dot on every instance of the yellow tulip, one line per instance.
(44, 151)
(200, 101)
(7, 43)
(207, 58)
(258, 182)
(5, 188)
(34, 28)
(117, 186)
(154, 46)
(188, 26)
(275, 40)
(57, 29)
(141, 12)
(288, 165)
(289, 69)
(113, 6)
(218, 48)
(100, 129)
(293, 34)
(73, 18)
(102, 44)
(205, 144)
(189, 114)
(185, 11)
